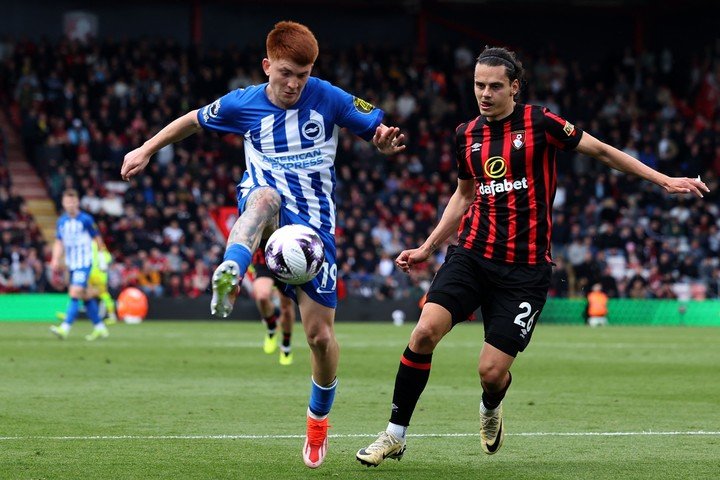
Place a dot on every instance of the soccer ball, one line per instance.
(294, 254)
(132, 305)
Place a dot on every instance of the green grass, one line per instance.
(154, 400)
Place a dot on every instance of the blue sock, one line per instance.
(321, 398)
(72, 311)
(92, 310)
(240, 254)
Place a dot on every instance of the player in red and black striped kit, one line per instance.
(265, 288)
(513, 164)
(501, 211)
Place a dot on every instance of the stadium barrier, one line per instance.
(43, 307)
(637, 312)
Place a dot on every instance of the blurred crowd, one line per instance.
(81, 107)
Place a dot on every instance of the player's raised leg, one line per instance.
(324, 353)
(259, 212)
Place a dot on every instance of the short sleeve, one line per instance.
(90, 225)
(559, 132)
(356, 114)
(223, 115)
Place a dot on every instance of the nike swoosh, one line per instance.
(496, 444)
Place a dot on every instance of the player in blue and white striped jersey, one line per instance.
(76, 231)
(290, 125)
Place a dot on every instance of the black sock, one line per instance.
(286, 339)
(492, 400)
(271, 323)
(410, 382)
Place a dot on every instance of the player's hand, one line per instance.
(687, 185)
(134, 163)
(388, 140)
(408, 258)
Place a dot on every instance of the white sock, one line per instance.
(100, 326)
(316, 417)
(66, 326)
(397, 430)
(484, 410)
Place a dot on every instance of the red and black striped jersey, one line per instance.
(514, 166)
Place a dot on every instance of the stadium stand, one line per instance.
(81, 107)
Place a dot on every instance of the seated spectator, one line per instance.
(150, 280)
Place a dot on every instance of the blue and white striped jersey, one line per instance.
(77, 234)
(293, 150)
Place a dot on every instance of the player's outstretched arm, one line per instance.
(449, 223)
(619, 160)
(136, 160)
(388, 140)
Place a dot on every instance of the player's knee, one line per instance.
(263, 298)
(320, 339)
(492, 375)
(424, 338)
(270, 199)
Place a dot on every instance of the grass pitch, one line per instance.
(200, 400)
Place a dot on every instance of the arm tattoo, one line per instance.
(433, 247)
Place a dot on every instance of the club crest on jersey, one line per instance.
(312, 130)
(495, 167)
(518, 139)
(362, 106)
(214, 109)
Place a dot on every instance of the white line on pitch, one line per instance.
(350, 435)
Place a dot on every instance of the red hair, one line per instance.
(292, 41)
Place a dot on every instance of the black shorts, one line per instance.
(510, 297)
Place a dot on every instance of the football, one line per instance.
(294, 254)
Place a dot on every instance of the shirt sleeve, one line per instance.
(464, 172)
(559, 132)
(223, 115)
(356, 114)
(58, 230)
(90, 226)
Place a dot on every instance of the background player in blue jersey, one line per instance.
(76, 232)
(290, 127)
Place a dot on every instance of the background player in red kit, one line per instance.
(501, 264)
(266, 288)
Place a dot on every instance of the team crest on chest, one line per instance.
(518, 139)
(312, 130)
